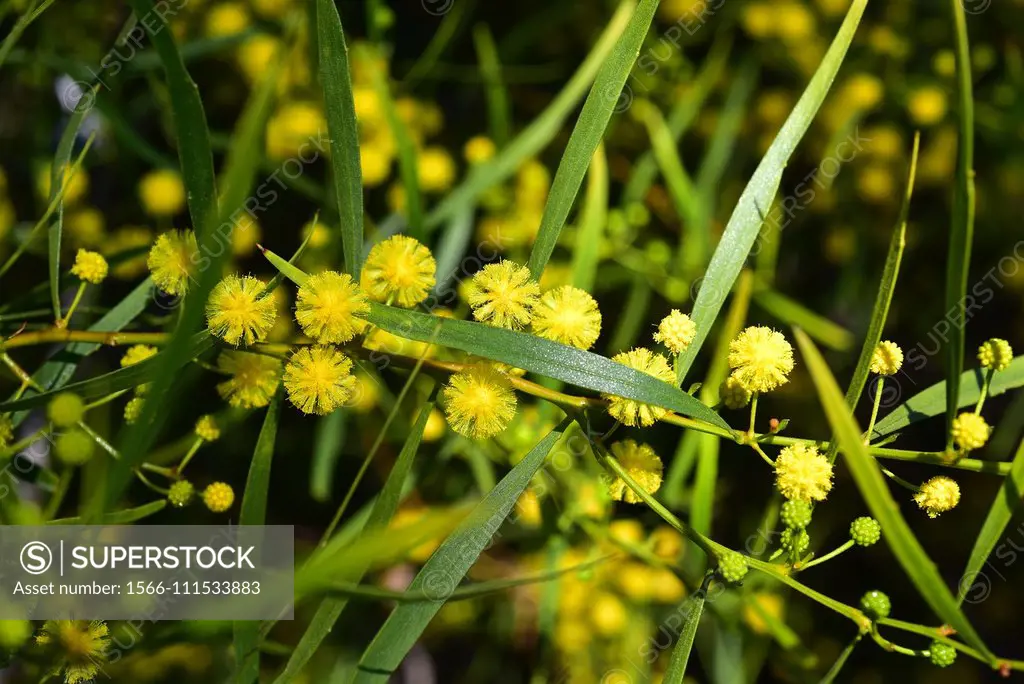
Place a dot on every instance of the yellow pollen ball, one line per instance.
(436, 169)
(236, 313)
(91, 267)
(630, 411)
(970, 431)
(641, 463)
(137, 353)
(676, 331)
(172, 261)
(162, 193)
(328, 305)
(218, 497)
(253, 379)
(479, 403)
(207, 428)
(761, 359)
(887, 359)
(568, 315)
(995, 354)
(503, 294)
(399, 269)
(803, 474)
(319, 379)
(478, 149)
(938, 495)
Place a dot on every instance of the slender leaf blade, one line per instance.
(694, 609)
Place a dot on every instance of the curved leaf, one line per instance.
(693, 608)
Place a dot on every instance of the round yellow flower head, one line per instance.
(79, 646)
(436, 169)
(435, 428)
(207, 428)
(254, 379)
(630, 411)
(245, 235)
(74, 447)
(76, 183)
(136, 354)
(938, 495)
(479, 149)
(803, 474)
(887, 358)
(927, 105)
(236, 313)
(794, 22)
(133, 409)
(568, 315)
(676, 331)
(503, 294)
(608, 615)
(172, 261)
(734, 395)
(256, 54)
(375, 164)
(479, 402)
(399, 269)
(970, 431)
(65, 409)
(328, 305)
(319, 379)
(863, 91)
(90, 266)
(995, 354)
(162, 193)
(218, 496)
(761, 359)
(642, 464)
(226, 19)
(295, 125)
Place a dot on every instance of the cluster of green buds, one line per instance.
(876, 606)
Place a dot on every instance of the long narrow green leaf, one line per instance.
(30, 14)
(537, 355)
(328, 439)
(446, 568)
(124, 517)
(593, 218)
(538, 134)
(745, 222)
(693, 608)
(336, 79)
(193, 135)
(597, 111)
(873, 487)
(380, 516)
(1006, 503)
(499, 112)
(961, 228)
(932, 401)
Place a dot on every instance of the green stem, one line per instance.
(188, 456)
(900, 481)
(107, 399)
(874, 409)
(756, 447)
(890, 646)
(62, 322)
(984, 390)
(827, 557)
(57, 498)
(753, 414)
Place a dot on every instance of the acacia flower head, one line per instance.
(641, 463)
(218, 496)
(995, 354)
(133, 409)
(479, 402)
(568, 315)
(676, 331)
(503, 294)
(630, 411)
(162, 193)
(970, 431)
(938, 495)
(236, 312)
(801, 473)
(91, 267)
(254, 378)
(137, 353)
(734, 395)
(887, 358)
(319, 379)
(172, 261)
(400, 269)
(207, 428)
(328, 306)
(79, 647)
(181, 493)
(761, 359)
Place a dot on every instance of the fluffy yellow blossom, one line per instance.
(172, 261)
(641, 463)
(256, 55)
(995, 354)
(607, 614)
(218, 496)
(479, 402)
(761, 359)
(927, 105)
(758, 19)
(162, 193)
(226, 19)
(630, 411)
(887, 358)
(319, 379)
(436, 169)
(503, 294)
(399, 269)
(803, 474)
(328, 305)
(136, 354)
(734, 395)
(207, 428)
(374, 164)
(863, 91)
(295, 126)
(938, 495)
(676, 331)
(479, 149)
(568, 315)
(78, 648)
(90, 266)
(236, 313)
(665, 586)
(970, 431)
(794, 22)
(253, 378)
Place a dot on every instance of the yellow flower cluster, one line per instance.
(761, 359)
(803, 474)
(479, 402)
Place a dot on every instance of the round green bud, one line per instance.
(865, 531)
(66, 409)
(796, 513)
(74, 447)
(14, 633)
(181, 493)
(637, 214)
(733, 566)
(875, 605)
(941, 655)
(795, 540)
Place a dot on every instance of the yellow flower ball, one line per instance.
(374, 164)
(503, 294)
(436, 169)
(630, 411)
(761, 359)
(938, 495)
(76, 183)
(74, 447)
(296, 126)
(207, 428)
(256, 55)
(435, 427)
(643, 466)
(479, 149)
(253, 379)
(676, 331)
(236, 312)
(803, 474)
(162, 192)
(758, 20)
(91, 267)
(927, 105)
(734, 395)
(172, 261)
(218, 497)
(970, 431)
(479, 403)
(328, 307)
(319, 379)
(608, 615)
(65, 409)
(995, 354)
(887, 359)
(794, 22)
(400, 270)
(568, 315)
(226, 19)
(136, 354)
(863, 91)
(133, 409)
